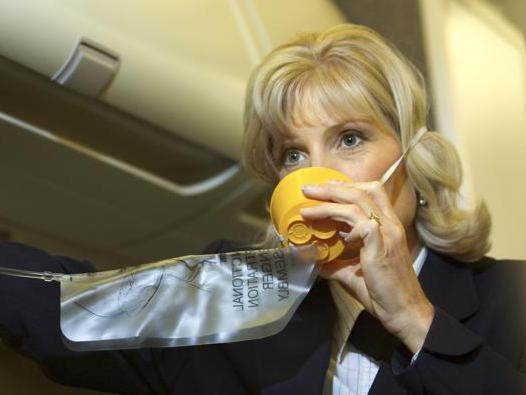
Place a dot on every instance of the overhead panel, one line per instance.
(180, 60)
(183, 64)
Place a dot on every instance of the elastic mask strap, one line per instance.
(416, 138)
(46, 276)
(280, 237)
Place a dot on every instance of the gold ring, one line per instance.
(372, 215)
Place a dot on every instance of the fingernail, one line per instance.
(335, 182)
(344, 235)
(310, 188)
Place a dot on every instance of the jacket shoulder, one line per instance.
(500, 275)
(24, 257)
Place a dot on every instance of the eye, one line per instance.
(292, 157)
(351, 139)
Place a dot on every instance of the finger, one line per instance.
(339, 193)
(371, 236)
(343, 193)
(364, 229)
(376, 191)
(348, 213)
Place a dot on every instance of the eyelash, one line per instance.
(284, 156)
(343, 135)
(352, 132)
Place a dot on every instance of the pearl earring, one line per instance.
(422, 202)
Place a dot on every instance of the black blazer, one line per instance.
(474, 345)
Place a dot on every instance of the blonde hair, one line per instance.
(352, 70)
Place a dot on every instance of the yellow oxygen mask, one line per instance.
(286, 202)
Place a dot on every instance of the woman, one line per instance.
(345, 99)
(342, 99)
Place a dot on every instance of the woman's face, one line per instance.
(362, 151)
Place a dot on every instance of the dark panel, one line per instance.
(399, 21)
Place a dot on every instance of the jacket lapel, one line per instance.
(449, 285)
(296, 360)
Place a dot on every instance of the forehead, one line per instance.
(319, 105)
(311, 118)
(309, 121)
(318, 99)
(316, 105)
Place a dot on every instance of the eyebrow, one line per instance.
(333, 128)
(287, 142)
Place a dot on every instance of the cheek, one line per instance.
(364, 169)
(282, 174)
(403, 198)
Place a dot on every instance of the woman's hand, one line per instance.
(382, 278)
